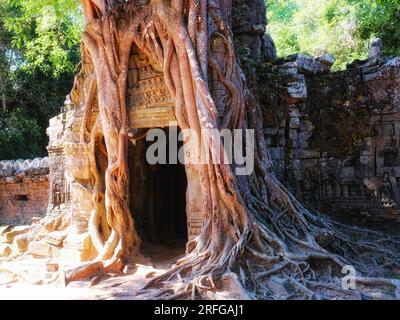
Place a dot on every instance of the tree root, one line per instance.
(253, 227)
(93, 269)
(310, 268)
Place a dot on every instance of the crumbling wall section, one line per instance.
(24, 190)
(337, 145)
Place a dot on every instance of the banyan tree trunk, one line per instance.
(253, 226)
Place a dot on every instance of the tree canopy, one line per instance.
(40, 50)
(45, 32)
(343, 28)
(39, 53)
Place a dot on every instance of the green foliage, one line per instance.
(32, 98)
(18, 135)
(343, 28)
(380, 18)
(47, 32)
(280, 14)
(39, 52)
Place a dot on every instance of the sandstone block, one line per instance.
(298, 175)
(78, 247)
(36, 220)
(309, 65)
(52, 267)
(304, 144)
(294, 111)
(306, 154)
(348, 173)
(294, 123)
(288, 71)
(306, 125)
(305, 135)
(297, 164)
(282, 141)
(4, 229)
(5, 250)
(9, 236)
(327, 59)
(20, 243)
(271, 131)
(56, 238)
(296, 90)
(293, 134)
(42, 250)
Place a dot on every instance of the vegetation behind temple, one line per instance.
(343, 28)
(39, 53)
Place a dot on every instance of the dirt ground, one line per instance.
(25, 278)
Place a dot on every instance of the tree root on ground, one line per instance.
(253, 226)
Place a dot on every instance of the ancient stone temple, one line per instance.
(356, 169)
(124, 226)
(24, 186)
(157, 191)
(336, 143)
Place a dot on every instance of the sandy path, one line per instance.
(117, 287)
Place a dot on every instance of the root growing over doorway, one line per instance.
(254, 227)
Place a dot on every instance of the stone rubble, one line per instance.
(364, 179)
(24, 189)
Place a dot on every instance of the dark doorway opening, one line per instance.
(167, 204)
(158, 204)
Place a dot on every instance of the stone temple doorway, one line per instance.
(158, 204)
(157, 192)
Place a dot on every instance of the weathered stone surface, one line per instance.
(20, 243)
(52, 267)
(248, 24)
(10, 235)
(322, 167)
(4, 229)
(78, 247)
(296, 90)
(36, 220)
(311, 65)
(24, 168)
(288, 69)
(5, 250)
(24, 189)
(39, 249)
(56, 238)
(42, 250)
(376, 49)
(270, 48)
(327, 59)
(314, 174)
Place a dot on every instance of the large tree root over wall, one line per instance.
(253, 226)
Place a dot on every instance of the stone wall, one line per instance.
(71, 179)
(24, 190)
(337, 142)
(248, 26)
(149, 106)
